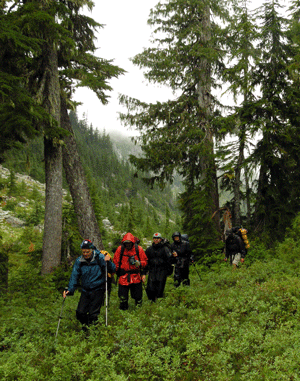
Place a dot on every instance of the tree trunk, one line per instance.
(237, 181)
(248, 202)
(87, 222)
(50, 90)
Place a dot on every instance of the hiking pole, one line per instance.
(106, 294)
(197, 270)
(60, 317)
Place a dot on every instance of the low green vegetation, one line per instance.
(228, 325)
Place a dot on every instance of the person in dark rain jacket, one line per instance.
(182, 252)
(90, 269)
(159, 261)
(130, 261)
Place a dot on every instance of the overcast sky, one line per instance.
(124, 35)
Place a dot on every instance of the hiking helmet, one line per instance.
(87, 244)
(176, 234)
(157, 235)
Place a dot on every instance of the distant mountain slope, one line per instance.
(111, 178)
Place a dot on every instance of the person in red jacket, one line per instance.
(130, 260)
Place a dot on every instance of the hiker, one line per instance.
(234, 247)
(90, 268)
(159, 262)
(182, 252)
(130, 261)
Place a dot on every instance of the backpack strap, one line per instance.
(137, 251)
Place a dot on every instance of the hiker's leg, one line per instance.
(123, 296)
(185, 275)
(136, 290)
(161, 287)
(83, 308)
(96, 301)
(150, 289)
(236, 259)
(177, 276)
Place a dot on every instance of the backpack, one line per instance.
(185, 237)
(243, 234)
(239, 231)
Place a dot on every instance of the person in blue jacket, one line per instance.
(90, 268)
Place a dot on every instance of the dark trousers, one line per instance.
(136, 291)
(181, 275)
(89, 306)
(156, 286)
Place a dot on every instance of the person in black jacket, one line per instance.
(159, 261)
(234, 247)
(182, 252)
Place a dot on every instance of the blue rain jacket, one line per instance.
(92, 275)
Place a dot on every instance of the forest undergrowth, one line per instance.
(228, 325)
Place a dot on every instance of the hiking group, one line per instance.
(95, 270)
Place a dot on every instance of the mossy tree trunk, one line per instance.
(87, 222)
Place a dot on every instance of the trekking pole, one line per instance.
(106, 295)
(197, 270)
(60, 317)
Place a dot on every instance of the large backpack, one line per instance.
(185, 237)
(243, 234)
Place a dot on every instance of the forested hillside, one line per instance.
(118, 195)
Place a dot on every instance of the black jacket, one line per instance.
(159, 258)
(184, 253)
(182, 249)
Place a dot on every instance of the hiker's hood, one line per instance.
(129, 237)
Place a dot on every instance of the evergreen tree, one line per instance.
(177, 134)
(276, 153)
(62, 60)
(242, 55)
(17, 105)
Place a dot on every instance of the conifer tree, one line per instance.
(276, 153)
(17, 106)
(177, 134)
(242, 56)
(62, 60)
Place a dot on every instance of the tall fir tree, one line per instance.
(177, 134)
(276, 153)
(241, 39)
(62, 60)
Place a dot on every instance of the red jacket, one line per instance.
(132, 273)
